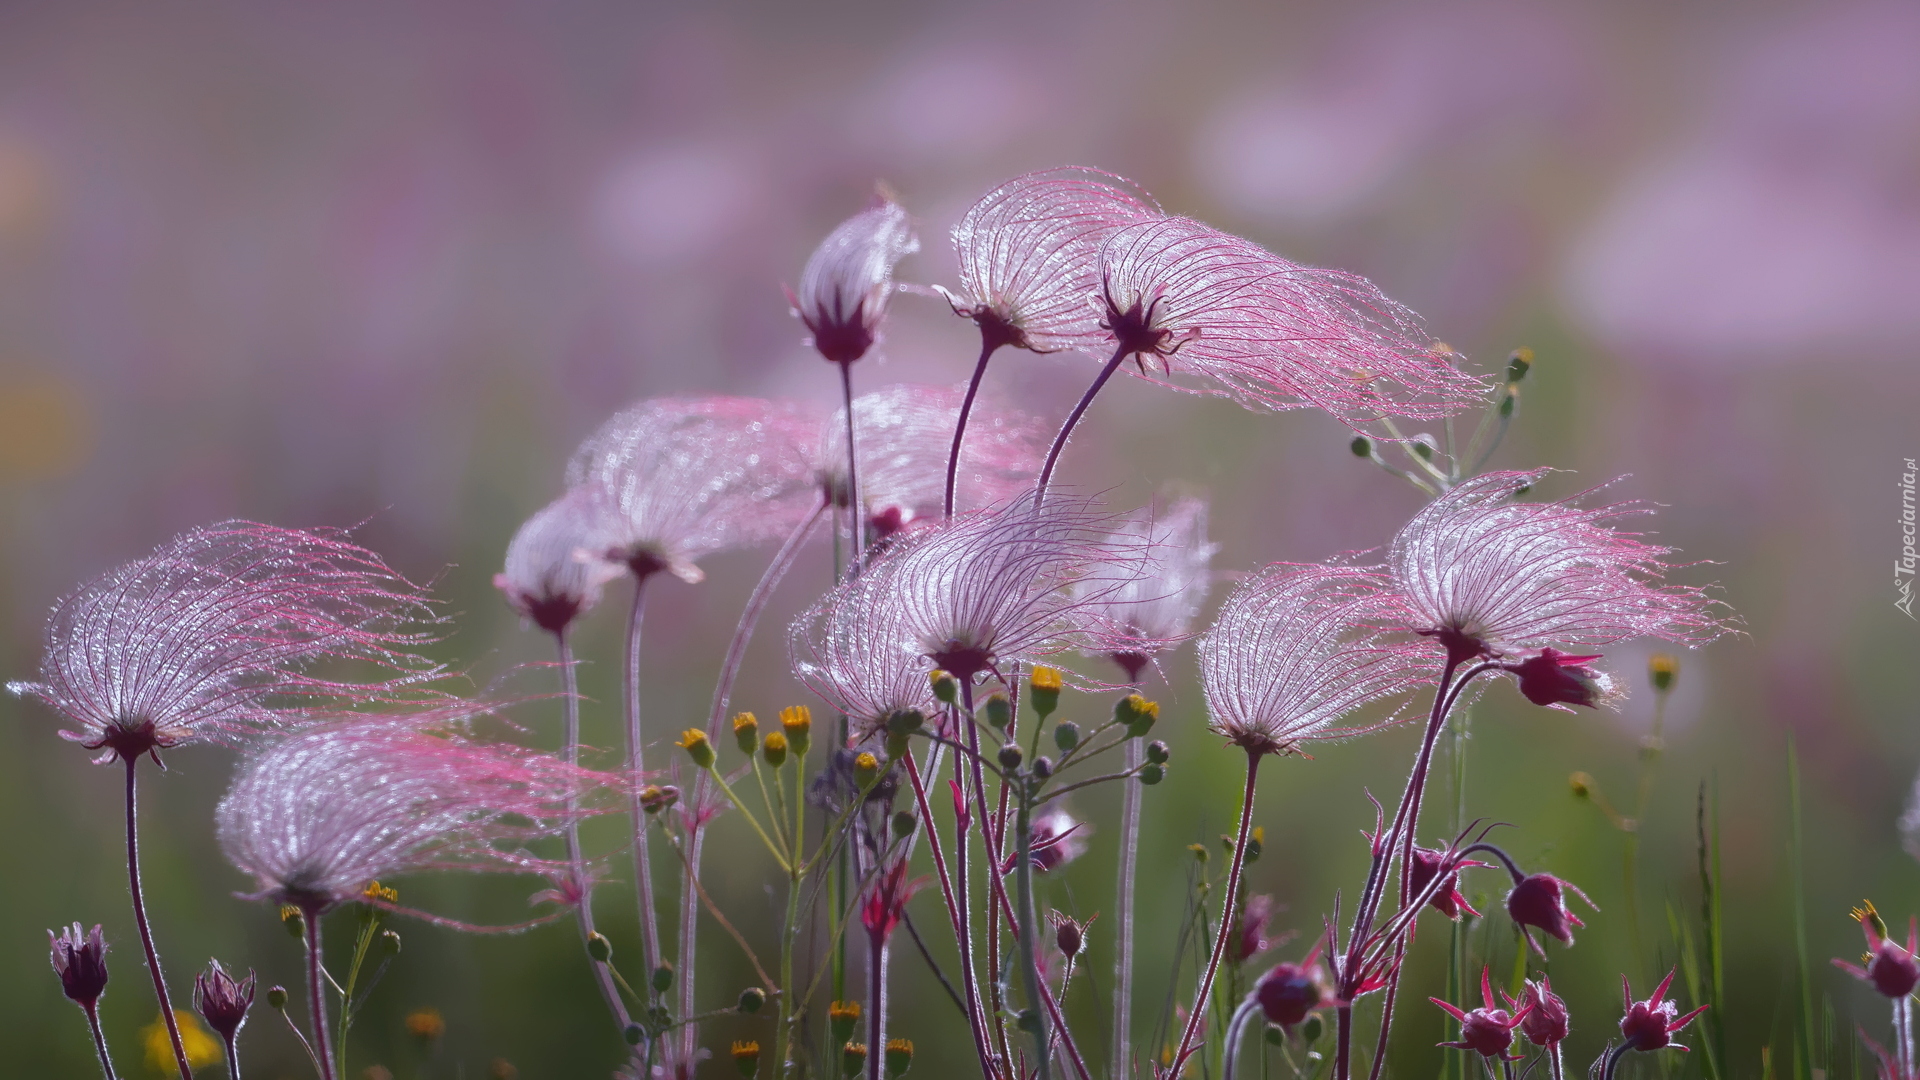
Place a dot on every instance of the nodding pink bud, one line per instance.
(1540, 900)
(1252, 938)
(1447, 899)
(1556, 680)
(1893, 971)
(1547, 1021)
(222, 999)
(1070, 936)
(1289, 992)
(1650, 1024)
(80, 959)
(844, 288)
(1488, 1030)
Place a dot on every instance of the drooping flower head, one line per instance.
(1547, 1022)
(552, 574)
(1159, 605)
(1288, 992)
(210, 638)
(992, 585)
(1489, 575)
(80, 959)
(843, 291)
(1300, 645)
(903, 435)
(686, 477)
(1651, 1024)
(1268, 332)
(222, 999)
(1540, 901)
(1029, 251)
(1892, 971)
(1447, 898)
(1488, 1030)
(318, 815)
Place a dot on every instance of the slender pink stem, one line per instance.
(1197, 1015)
(146, 931)
(100, 1042)
(858, 525)
(750, 617)
(316, 983)
(876, 1004)
(689, 924)
(636, 771)
(974, 1020)
(999, 895)
(987, 345)
(1073, 419)
(576, 861)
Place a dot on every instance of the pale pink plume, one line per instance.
(687, 477)
(316, 816)
(903, 435)
(1269, 332)
(844, 289)
(1298, 646)
(1157, 608)
(1028, 255)
(210, 638)
(1487, 574)
(853, 648)
(552, 574)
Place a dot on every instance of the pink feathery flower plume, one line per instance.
(1269, 332)
(844, 289)
(902, 434)
(686, 477)
(1156, 609)
(210, 638)
(1028, 252)
(852, 648)
(318, 815)
(552, 574)
(1002, 584)
(1487, 575)
(1300, 645)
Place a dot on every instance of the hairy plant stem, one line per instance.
(1023, 927)
(770, 579)
(636, 769)
(232, 1044)
(789, 1001)
(1130, 800)
(876, 1004)
(857, 525)
(100, 1045)
(988, 343)
(1073, 419)
(316, 992)
(961, 778)
(576, 861)
(1236, 1033)
(975, 1022)
(689, 923)
(1613, 1060)
(140, 918)
(1197, 1015)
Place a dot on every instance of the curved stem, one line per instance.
(1196, 1016)
(689, 923)
(1073, 418)
(316, 987)
(636, 769)
(1023, 927)
(1123, 913)
(857, 523)
(576, 861)
(1553, 1058)
(987, 346)
(1613, 1060)
(146, 931)
(750, 617)
(100, 1044)
(1236, 1032)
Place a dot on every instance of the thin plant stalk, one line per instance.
(689, 923)
(1196, 1016)
(576, 861)
(770, 579)
(789, 1001)
(100, 1045)
(636, 768)
(876, 1004)
(1073, 419)
(856, 524)
(967, 976)
(146, 931)
(232, 1044)
(1029, 954)
(1130, 802)
(316, 993)
(1236, 1033)
(1804, 1060)
(987, 346)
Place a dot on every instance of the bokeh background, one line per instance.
(355, 262)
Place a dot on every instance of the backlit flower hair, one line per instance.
(903, 434)
(685, 477)
(318, 815)
(853, 649)
(1300, 645)
(1157, 608)
(1028, 251)
(552, 574)
(1488, 575)
(1269, 332)
(844, 288)
(209, 638)
(992, 586)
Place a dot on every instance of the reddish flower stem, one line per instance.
(974, 1021)
(858, 525)
(100, 1041)
(316, 986)
(987, 346)
(576, 861)
(876, 1004)
(1196, 1016)
(1073, 419)
(146, 931)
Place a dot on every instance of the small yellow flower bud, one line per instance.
(842, 1018)
(377, 892)
(1663, 669)
(1200, 854)
(899, 1056)
(775, 749)
(746, 1058)
(945, 687)
(866, 769)
(797, 722)
(1581, 785)
(999, 711)
(657, 797)
(746, 733)
(694, 742)
(426, 1024)
(295, 922)
(853, 1059)
(1136, 714)
(1043, 690)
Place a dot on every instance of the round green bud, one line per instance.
(904, 823)
(277, 997)
(599, 947)
(1361, 446)
(1042, 767)
(1066, 735)
(1313, 1028)
(1028, 1022)
(1152, 774)
(389, 943)
(663, 978)
(751, 999)
(1276, 1035)
(946, 688)
(1158, 753)
(906, 721)
(294, 922)
(999, 711)
(896, 744)
(1011, 757)
(634, 1034)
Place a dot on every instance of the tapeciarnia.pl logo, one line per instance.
(1903, 567)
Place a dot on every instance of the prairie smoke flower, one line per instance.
(1028, 254)
(552, 575)
(316, 816)
(1651, 1024)
(1447, 899)
(852, 648)
(1539, 900)
(1546, 1022)
(686, 477)
(902, 434)
(990, 586)
(1288, 992)
(1488, 1030)
(1158, 607)
(1252, 933)
(1055, 839)
(844, 288)
(1892, 971)
(80, 959)
(1486, 575)
(1299, 645)
(1269, 332)
(208, 639)
(222, 999)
